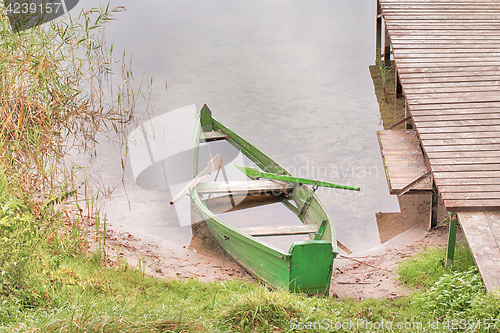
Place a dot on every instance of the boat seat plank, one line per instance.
(250, 187)
(282, 230)
(234, 202)
(213, 136)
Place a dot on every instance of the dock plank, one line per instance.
(460, 141)
(470, 189)
(467, 116)
(483, 205)
(470, 195)
(465, 167)
(451, 113)
(462, 148)
(471, 182)
(465, 161)
(446, 106)
(484, 123)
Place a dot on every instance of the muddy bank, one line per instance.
(165, 259)
(374, 274)
(370, 274)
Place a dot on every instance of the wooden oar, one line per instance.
(255, 174)
(212, 165)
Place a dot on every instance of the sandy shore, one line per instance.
(374, 274)
(370, 274)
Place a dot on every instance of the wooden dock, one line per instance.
(447, 56)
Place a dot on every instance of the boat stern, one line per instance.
(311, 267)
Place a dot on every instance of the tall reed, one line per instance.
(57, 94)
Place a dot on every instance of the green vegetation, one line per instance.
(34, 240)
(453, 293)
(385, 74)
(50, 83)
(54, 287)
(428, 267)
(49, 284)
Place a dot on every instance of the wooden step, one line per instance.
(404, 162)
(281, 230)
(250, 187)
(213, 136)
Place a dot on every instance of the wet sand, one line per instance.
(368, 274)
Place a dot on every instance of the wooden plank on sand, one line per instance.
(482, 233)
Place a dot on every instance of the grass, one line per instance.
(52, 80)
(259, 309)
(428, 267)
(384, 74)
(49, 284)
(451, 293)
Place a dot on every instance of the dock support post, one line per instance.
(387, 51)
(408, 123)
(399, 87)
(434, 208)
(378, 53)
(452, 239)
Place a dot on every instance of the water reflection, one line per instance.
(290, 76)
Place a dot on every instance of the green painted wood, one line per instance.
(206, 118)
(321, 230)
(311, 264)
(253, 186)
(256, 174)
(307, 266)
(452, 240)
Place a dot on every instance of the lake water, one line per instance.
(289, 76)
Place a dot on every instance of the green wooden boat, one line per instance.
(307, 266)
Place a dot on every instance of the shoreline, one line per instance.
(361, 275)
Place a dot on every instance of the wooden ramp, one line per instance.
(482, 230)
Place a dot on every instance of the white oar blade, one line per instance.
(212, 165)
